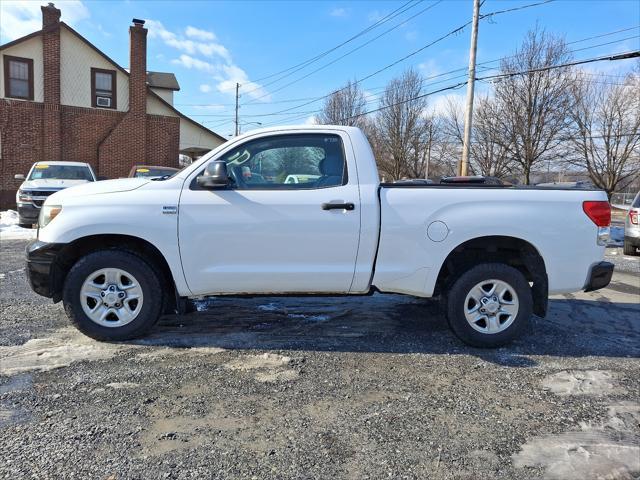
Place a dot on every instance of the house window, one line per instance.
(18, 77)
(103, 88)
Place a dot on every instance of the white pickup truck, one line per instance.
(120, 253)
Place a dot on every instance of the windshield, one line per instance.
(153, 172)
(60, 172)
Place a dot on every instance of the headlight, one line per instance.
(23, 196)
(48, 213)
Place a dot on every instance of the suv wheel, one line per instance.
(489, 305)
(113, 295)
(629, 248)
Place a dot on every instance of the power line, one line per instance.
(339, 58)
(461, 69)
(430, 44)
(620, 56)
(383, 20)
(292, 100)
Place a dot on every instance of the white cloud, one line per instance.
(430, 68)
(375, 16)
(312, 120)
(369, 97)
(19, 18)
(338, 12)
(198, 34)
(194, 63)
(210, 108)
(227, 75)
(208, 49)
(411, 36)
(231, 74)
(224, 71)
(440, 105)
(204, 88)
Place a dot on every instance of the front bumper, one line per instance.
(42, 269)
(599, 277)
(28, 213)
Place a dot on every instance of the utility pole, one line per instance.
(463, 167)
(426, 169)
(237, 97)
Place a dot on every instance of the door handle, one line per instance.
(338, 206)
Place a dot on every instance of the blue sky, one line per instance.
(212, 45)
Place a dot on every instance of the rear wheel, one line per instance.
(113, 295)
(489, 305)
(629, 248)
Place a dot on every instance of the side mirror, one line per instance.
(215, 176)
(102, 177)
(18, 176)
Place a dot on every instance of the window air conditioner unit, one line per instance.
(103, 101)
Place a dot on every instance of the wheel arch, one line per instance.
(512, 251)
(82, 246)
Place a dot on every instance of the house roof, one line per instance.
(162, 80)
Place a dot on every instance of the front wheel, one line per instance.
(112, 295)
(489, 305)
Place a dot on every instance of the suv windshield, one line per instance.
(60, 172)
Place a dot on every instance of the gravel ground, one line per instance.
(366, 387)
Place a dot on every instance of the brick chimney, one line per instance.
(51, 61)
(138, 87)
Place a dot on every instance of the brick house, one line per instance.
(61, 98)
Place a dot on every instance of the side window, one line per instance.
(103, 88)
(288, 162)
(18, 77)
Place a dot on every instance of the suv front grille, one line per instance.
(39, 196)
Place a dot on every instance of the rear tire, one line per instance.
(489, 305)
(629, 249)
(128, 295)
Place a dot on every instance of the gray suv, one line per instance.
(632, 228)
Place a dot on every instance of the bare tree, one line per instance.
(400, 127)
(606, 131)
(345, 107)
(534, 107)
(489, 155)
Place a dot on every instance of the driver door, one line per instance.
(265, 233)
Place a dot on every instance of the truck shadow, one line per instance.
(395, 324)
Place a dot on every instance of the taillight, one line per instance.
(599, 212)
(633, 217)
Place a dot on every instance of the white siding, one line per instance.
(156, 107)
(165, 94)
(31, 48)
(191, 135)
(76, 60)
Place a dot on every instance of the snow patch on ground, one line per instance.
(607, 449)
(9, 229)
(583, 382)
(268, 367)
(65, 347)
(582, 456)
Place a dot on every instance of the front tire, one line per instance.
(113, 295)
(489, 305)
